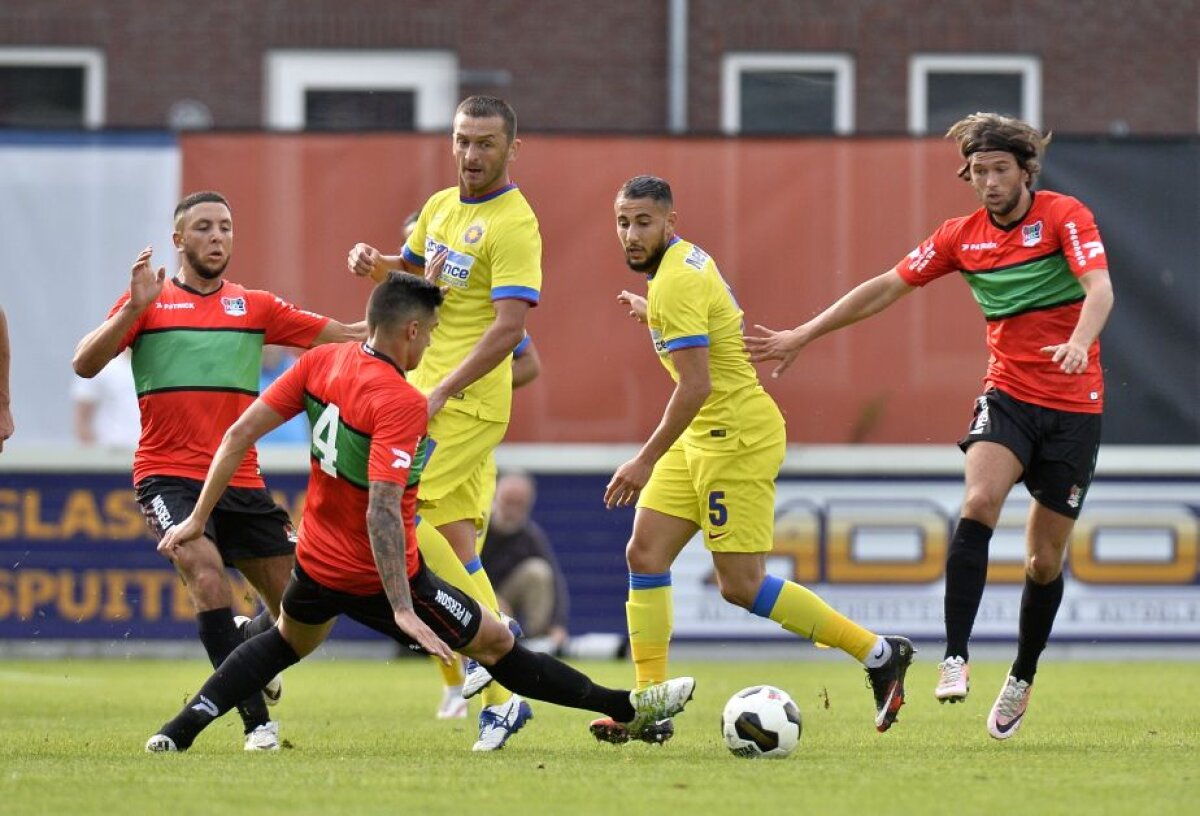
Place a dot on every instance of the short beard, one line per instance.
(202, 268)
(651, 263)
(1008, 206)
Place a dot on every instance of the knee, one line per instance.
(1043, 568)
(982, 506)
(491, 643)
(641, 557)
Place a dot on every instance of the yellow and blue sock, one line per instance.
(799, 610)
(649, 614)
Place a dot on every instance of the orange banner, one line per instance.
(791, 223)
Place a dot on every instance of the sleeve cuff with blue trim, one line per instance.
(692, 341)
(526, 293)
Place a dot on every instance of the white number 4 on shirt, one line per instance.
(324, 439)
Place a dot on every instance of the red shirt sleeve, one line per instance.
(1080, 238)
(933, 258)
(285, 396)
(401, 419)
(132, 334)
(287, 325)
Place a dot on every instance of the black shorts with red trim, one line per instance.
(453, 615)
(246, 523)
(1057, 449)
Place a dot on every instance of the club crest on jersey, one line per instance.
(473, 234)
(234, 306)
(696, 258)
(1031, 234)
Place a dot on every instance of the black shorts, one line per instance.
(1057, 449)
(246, 523)
(452, 614)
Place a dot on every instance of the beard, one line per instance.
(1006, 207)
(203, 268)
(653, 259)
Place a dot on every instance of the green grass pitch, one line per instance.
(1100, 738)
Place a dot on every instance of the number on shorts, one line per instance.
(718, 513)
(324, 439)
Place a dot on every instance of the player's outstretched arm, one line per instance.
(335, 332)
(1072, 356)
(687, 399)
(99, 346)
(259, 419)
(636, 304)
(868, 298)
(385, 527)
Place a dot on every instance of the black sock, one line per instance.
(1039, 607)
(966, 575)
(220, 637)
(261, 623)
(245, 671)
(542, 677)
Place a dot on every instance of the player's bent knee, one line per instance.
(492, 642)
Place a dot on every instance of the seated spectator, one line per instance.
(106, 407)
(522, 566)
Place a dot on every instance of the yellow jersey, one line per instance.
(688, 305)
(494, 252)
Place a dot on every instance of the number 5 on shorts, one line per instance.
(718, 513)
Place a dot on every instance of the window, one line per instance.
(51, 88)
(361, 90)
(787, 93)
(944, 88)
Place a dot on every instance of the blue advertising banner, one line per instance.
(76, 560)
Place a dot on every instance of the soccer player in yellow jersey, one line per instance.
(710, 466)
(480, 241)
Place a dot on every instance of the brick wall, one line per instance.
(583, 65)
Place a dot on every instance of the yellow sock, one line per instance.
(440, 559)
(452, 675)
(649, 612)
(800, 610)
(483, 585)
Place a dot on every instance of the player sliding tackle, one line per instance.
(357, 549)
(710, 466)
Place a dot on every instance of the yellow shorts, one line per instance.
(729, 496)
(452, 486)
(485, 501)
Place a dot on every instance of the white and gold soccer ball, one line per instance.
(761, 721)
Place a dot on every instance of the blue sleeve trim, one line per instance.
(523, 346)
(693, 341)
(516, 293)
(474, 565)
(768, 594)
(415, 260)
(642, 580)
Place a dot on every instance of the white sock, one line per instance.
(880, 653)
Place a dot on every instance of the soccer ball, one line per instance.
(761, 721)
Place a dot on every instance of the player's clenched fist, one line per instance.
(365, 260)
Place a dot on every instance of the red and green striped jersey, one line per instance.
(1025, 278)
(196, 360)
(368, 425)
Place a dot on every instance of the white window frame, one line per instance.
(90, 59)
(289, 73)
(734, 64)
(920, 66)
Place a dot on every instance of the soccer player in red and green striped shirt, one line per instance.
(197, 344)
(1037, 268)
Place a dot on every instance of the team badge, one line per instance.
(1031, 234)
(234, 307)
(473, 234)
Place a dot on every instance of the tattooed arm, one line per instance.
(385, 526)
